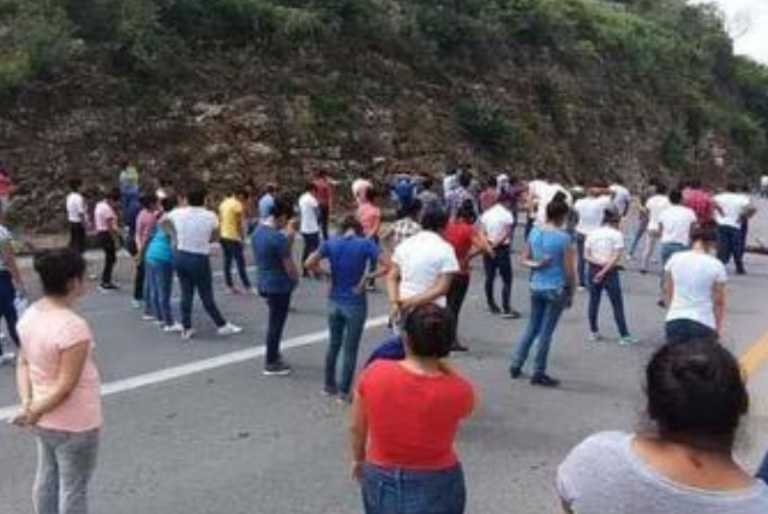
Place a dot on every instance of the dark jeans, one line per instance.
(325, 219)
(8, 306)
(77, 237)
(194, 272)
(398, 491)
(160, 280)
(139, 281)
(233, 251)
(611, 283)
(762, 473)
(546, 308)
(456, 296)
(278, 304)
(500, 263)
(730, 243)
(581, 262)
(107, 244)
(346, 324)
(311, 243)
(685, 330)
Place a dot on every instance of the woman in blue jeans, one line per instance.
(348, 255)
(276, 277)
(159, 263)
(550, 254)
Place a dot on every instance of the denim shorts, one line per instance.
(398, 491)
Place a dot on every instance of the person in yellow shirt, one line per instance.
(231, 214)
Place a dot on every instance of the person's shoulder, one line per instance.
(601, 444)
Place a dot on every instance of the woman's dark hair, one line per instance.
(467, 211)
(148, 199)
(429, 331)
(696, 394)
(611, 217)
(196, 194)
(411, 209)
(112, 194)
(434, 218)
(465, 179)
(427, 183)
(57, 269)
(75, 184)
(705, 233)
(557, 211)
(169, 203)
(283, 207)
(676, 197)
(350, 222)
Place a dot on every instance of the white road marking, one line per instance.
(192, 368)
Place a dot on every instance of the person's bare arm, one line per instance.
(480, 245)
(290, 269)
(614, 261)
(169, 229)
(358, 436)
(313, 263)
(718, 300)
(569, 263)
(73, 361)
(440, 288)
(23, 381)
(668, 288)
(393, 288)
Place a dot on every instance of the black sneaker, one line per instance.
(494, 310)
(458, 347)
(515, 372)
(544, 380)
(108, 287)
(277, 369)
(511, 314)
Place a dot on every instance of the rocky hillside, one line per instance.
(232, 89)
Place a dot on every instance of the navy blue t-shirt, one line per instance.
(270, 248)
(349, 257)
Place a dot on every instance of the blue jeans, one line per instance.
(546, 308)
(346, 324)
(233, 251)
(730, 243)
(642, 228)
(396, 491)
(581, 262)
(611, 283)
(500, 263)
(8, 306)
(762, 473)
(194, 272)
(685, 330)
(160, 286)
(278, 305)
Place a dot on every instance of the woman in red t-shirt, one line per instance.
(405, 418)
(468, 242)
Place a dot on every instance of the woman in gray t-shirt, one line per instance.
(696, 398)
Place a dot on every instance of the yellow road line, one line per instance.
(755, 357)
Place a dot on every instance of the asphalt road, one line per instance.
(227, 440)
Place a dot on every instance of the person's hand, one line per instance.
(598, 278)
(544, 262)
(26, 417)
(394, 310)
(356, 471)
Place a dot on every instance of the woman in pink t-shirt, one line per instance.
(59, 386)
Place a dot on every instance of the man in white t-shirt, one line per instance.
(309, 223)
(694, 288)
(590, 211)
(422, 266)
(604, 250)
(194, 228)
(499, 224)
(77, 216)
(655, 206)
(675, 224)
(732, 211)
(544, 196)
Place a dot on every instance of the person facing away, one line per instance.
(699, 201)
(489, 195)
(675, 225)
(405, 419)
(324, 195)
(696, 399)
(655, 206)
(406, 226)
(12, 286)
(694, 289)
(498, 224)
(590, 211)
(266, 202)
(603, 251)
(59, 386)
(159, 263)
(349, 255)
(276, 277)
(550, 255)
(77, 216)
(146, 221)
(107, 233)
(193, 228)
(232, 233)
(732, 209)
(426, 194)
(309, 223)
(422, 266)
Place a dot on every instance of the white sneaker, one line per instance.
(176, 328)
(595, 337)
(7, 358)
(136, 304)
(187, 334)
(148, 317)
(229, 330)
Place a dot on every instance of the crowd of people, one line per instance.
(409, 401)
